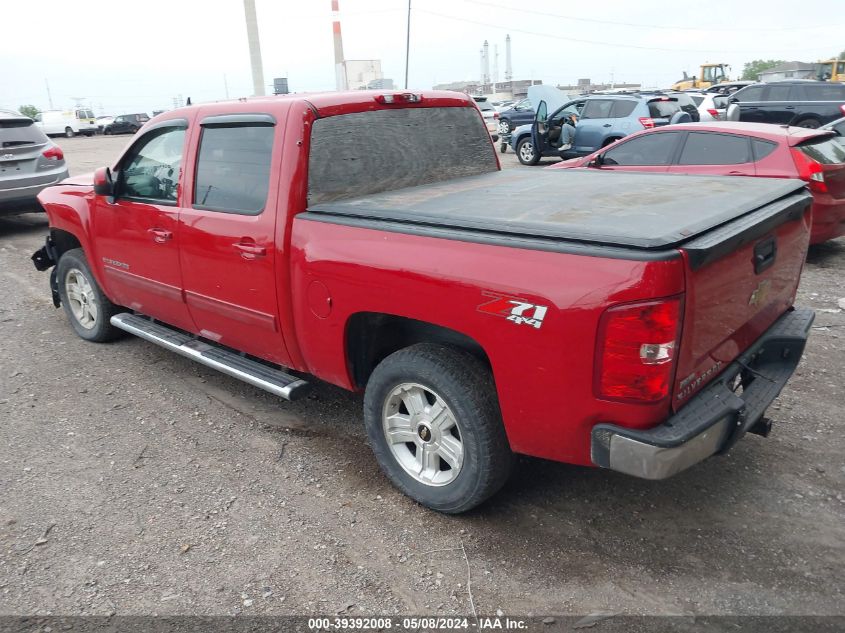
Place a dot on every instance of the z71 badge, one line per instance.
(514, 309)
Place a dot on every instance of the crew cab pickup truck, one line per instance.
(635, 322)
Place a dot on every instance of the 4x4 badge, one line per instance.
(514, 309)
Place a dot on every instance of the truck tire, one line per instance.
(69, 132)
(87, 308)
(433, 422)
(526, 153)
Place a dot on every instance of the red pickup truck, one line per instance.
(636, 322)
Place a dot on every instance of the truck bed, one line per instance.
(635, 210)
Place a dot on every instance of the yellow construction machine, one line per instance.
(710, 74)
(831, 70)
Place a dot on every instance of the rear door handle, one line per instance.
(160, 236)
(607, 125)
(250, 251)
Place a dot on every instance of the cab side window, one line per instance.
(151, 170)
(233, 168)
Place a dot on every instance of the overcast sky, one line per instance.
(137, 56)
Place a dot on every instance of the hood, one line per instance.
(553, 97)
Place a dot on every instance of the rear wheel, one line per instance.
(434, 425)
(69, 132)
(88, 309)
(503, 148)
(504, 126)
(810, 123)
(526, 153)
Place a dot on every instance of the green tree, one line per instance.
(29, 110)
(754, 68)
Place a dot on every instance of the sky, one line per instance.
(121, 57)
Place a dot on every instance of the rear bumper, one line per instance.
(715, 419)
(828, 219)
(24, 198)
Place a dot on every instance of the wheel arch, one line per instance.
(370, 337)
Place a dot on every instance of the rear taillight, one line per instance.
(637, 344)
(495, 115)
(713, 113)
(809, 171)
(405, 97)
(647, 122)
(55, 152)
(842, 107)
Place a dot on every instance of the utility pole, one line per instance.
(254, 48)
(407, 43)
(49, 96)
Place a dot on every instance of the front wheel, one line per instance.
(433, 422)
(88, 309)
(526, 153)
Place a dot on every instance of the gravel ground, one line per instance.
(133, 481)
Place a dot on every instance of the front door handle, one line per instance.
(160, 236)
(607, 125)
(250, 251)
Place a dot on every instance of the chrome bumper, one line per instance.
(715, 419)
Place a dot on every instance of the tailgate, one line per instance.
(741, 277)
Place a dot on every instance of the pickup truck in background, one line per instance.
(635, 322)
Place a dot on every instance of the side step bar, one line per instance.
(226, 361)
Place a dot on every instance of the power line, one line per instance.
(512, 29)
(641, 25)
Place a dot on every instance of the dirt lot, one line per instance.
(134, 481)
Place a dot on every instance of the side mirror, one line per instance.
(598, 161)
(103, 184)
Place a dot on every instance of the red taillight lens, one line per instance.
(842, 107)
(809, 170)
(636, 350)
(405, 97)
(495, 115)
(713, 113)
(54, 152)
(647, 122)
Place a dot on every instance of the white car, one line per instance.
(491, 116)
(67, 122)
(713, 107)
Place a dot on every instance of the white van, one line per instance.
(67, 122)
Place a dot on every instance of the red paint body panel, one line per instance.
(828, 209)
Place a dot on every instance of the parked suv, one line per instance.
(804, 103)
(519, 114)
(126, 124)
(29, 161)
(602, 119)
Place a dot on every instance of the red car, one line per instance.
(370, 240)
(739, 149)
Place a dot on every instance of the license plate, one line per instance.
(9, 165)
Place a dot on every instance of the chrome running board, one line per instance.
(222, 359)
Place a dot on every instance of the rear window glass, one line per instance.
(658, 109)
(233, 168)
(485, 106)
(762, 148)
(826, 151)
(16, 132)
(622, 108)
(381, 150)
(597, 109)
(697, 99)
(720, 102)
(702, 148)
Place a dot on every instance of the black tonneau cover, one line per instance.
(638, 210)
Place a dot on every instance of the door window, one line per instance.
(542, 112)
(702, 148)
(650, 149)
(233, 168)
(824, 92)
(151, 169)
(751, 93)
(778, 93)
(597, 109)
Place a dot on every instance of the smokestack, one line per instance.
(485, 61)
(508, 67)
(254, 48)
(341, 82)
(495, 63)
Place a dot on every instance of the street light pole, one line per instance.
(407, 43)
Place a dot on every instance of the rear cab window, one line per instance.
(405, 147)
